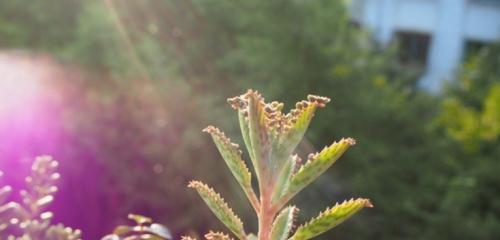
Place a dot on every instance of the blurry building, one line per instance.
(435, 34)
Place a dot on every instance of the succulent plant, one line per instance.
(28, 220)
(271, 138)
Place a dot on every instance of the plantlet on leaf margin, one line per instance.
(271, 138)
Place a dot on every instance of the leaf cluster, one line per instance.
(271, 138)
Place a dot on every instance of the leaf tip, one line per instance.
(367, 203)
(318, 100)
(350, 141)
(194, 184)
(210, 129)
(238, 102)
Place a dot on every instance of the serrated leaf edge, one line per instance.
(219, 136)
(217, 236)
(343, 144)
(314, 157)
(215, 197)
(290, 213)
(361, 202)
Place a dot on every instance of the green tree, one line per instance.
(470, 119)
(38, 25)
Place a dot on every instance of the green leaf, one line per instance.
(258, 133)
(299, 120)
(292, 138)
(295, 124)
(317, 164)
(285, 175)
(245, 133)
(283, 223)
(232, 156)
(240, 104)
(219, 208)
(330, 218)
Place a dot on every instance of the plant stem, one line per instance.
(253, 200)
(266, 214)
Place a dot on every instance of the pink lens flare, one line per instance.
(29, 121)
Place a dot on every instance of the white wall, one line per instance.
(482, 22)
(450, 23)
(416, 16)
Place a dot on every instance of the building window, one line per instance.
(413, 47)
(472, 48)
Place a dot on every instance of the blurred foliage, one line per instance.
(28, 219)
(141, 152)
(38, 25)
(470, 119)
(429, 163)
